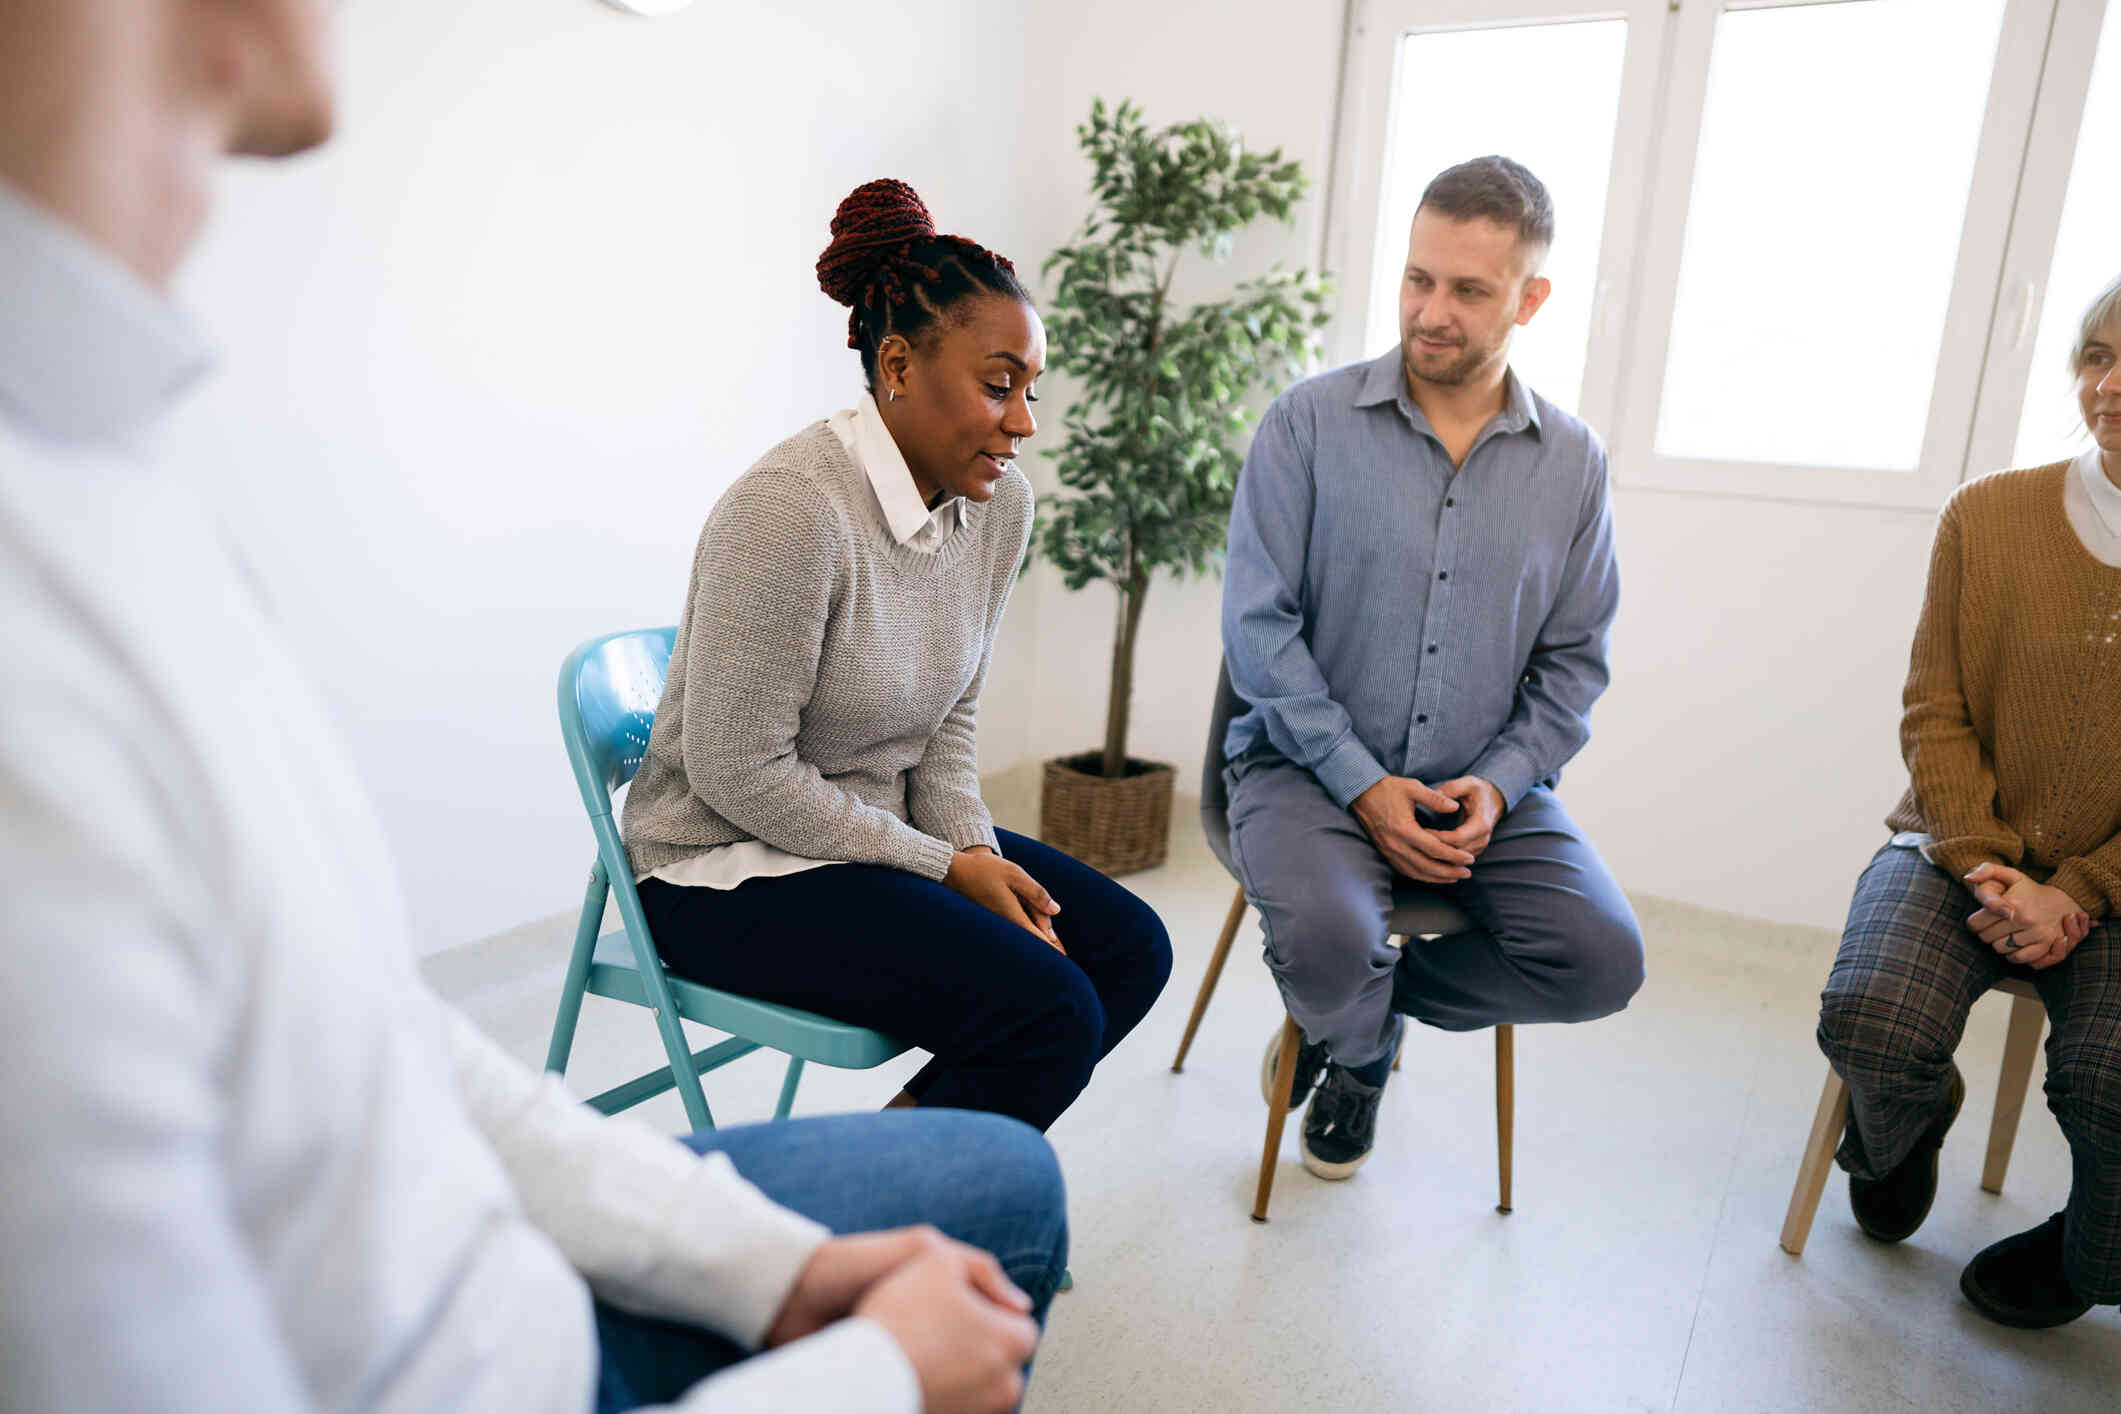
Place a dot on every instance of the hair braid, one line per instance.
(895, 274)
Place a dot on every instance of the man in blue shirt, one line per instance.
(1420, 585)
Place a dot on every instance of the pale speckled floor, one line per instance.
(1640, 1270)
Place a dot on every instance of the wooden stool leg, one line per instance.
(2020, 1044)
(1399, 1049)
(1505, 1106)
(1277, 1112)
(1818, 1160)
(1214, 975)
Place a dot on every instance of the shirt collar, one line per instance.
(1383, 381)
(2105, 496)
(885, 466)
(87, 351)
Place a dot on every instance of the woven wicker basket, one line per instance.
(1115, 827)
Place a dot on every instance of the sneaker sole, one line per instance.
(1326, 1169)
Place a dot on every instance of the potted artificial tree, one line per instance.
(1149, 445)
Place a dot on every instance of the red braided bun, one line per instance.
(878, 221)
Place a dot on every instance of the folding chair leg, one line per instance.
(1505, 1107)
(1817, 1163)
(585, 946)
(788, 1084)
(2020, 1044)
(1214, 975)
(1277, 1114)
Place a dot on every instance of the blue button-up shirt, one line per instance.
(1388, 614)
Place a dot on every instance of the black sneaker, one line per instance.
(1341, 1125)
(1891, 1208)
(1310, 1060)
(2019, 1281)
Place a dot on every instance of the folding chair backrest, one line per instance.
(609, 690)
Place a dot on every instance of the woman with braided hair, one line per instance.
(807, 824)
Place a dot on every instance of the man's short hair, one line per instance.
(1496, 189)
(2104, 309)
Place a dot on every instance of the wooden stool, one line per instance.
(1417, 912)
(2020, 1045)
(1278, 1106)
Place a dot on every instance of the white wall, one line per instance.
(1271, 69)
(1746, 754)
(492, 355)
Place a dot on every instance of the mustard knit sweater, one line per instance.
(2012, 727)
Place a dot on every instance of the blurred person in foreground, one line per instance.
(251, 1163)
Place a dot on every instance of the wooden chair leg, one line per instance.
(1214, 975)
(1817, 1162)
(1400, 1048)
(1277, 1113)
(2021, 1043)
(1505, 1107)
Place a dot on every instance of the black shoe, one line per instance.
(1341, 1125)
(1891, 1208)
(1310, 1060)
(2019, 1281)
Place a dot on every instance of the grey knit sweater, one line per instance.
(825, 683)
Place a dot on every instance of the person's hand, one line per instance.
(963, 1325)
(1482, 803)
(1001, 887)
(2025, 921)
(837, 1275)
(1386, 812)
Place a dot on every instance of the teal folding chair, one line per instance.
(609, 688)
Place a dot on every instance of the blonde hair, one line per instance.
(2104, 309)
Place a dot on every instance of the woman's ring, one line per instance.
(2011, 943)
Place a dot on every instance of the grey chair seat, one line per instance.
(1418, 910)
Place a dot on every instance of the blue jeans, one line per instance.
(981, 1178)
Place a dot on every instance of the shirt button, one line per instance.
(1432, 648)
(1422, 718)
(1443, 574)
(1450, 501)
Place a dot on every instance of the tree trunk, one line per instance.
(1119, 704)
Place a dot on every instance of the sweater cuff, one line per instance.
(2094, 888)
(748, 1250)
(1348, 770)
(1959, 855)
(927, 856)
(853, 1366)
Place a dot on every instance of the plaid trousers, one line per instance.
(1895, 1006)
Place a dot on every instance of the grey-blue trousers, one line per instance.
(1556, 939)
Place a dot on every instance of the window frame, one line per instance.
(1368, 117)
(2036, 227)
(2038, 86)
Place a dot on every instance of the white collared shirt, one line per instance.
(862, 432)
(252, 1162)
(2093, 504)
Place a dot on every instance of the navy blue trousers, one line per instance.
(1014, 1027)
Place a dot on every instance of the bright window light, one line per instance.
(1445, 109)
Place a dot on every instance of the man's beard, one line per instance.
(1461, 368)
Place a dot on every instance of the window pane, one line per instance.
(1837, 150)
(2087, 258)
(1445, 110)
